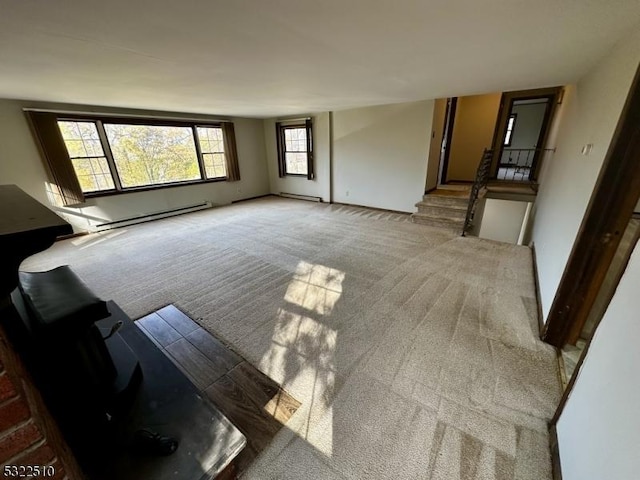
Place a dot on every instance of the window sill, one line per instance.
(109, 193)
(296, 175)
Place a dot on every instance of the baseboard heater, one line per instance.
(148, 217)
(300, 197)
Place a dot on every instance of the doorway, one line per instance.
(514, 125)
(521, 134)
(571, 353)
(437, 145)
(611, 207)
(606, 237)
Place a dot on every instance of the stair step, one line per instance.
(445, 201)
(425, 219)
(443, 213)
(454, 212)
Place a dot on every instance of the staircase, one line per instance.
(443, 208)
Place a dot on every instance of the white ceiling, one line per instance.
(276, 57)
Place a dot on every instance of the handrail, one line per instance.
(529, 149)
(482, 178)
(519, 164)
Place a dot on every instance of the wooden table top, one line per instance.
(26, 227)
(20, 213)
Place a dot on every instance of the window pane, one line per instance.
(81, 139)
(212, 148)
(86, 154)
(296, 163)
(507, 137)
(210, 139)
(152, 154)
(295, 140)
(210, 134)
(93, 174)
(509, 133)
(215, 165)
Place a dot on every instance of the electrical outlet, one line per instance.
(347, 193)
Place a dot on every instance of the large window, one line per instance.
(90, 156)
(295, 149)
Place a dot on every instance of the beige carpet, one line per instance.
(412, 350)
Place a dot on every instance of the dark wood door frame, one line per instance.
(585, 351)
(506, 103)
(452, 104)
(612, 203)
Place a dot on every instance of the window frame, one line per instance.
(201, 153)
(114, 178)
(282, 133)
(100, 120)
(281, 127)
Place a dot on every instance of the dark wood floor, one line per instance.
(253, 402)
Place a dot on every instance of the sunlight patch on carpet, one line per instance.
(315, 287)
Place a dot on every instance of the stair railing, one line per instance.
(482, 177)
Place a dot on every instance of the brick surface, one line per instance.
(7, 389)
(16, 442)
(12, 413)
(60, 473)
(16, 385)
(40, 456)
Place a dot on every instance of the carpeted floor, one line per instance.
(413, 351)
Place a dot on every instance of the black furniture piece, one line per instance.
(120, 410)
(26, 227)
(103, 380)
(88, 376)
(169, 403)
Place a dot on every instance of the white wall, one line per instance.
(591, 112)
(19, 157)
(380, 155)
(21, 164)
(502, 220)
(528, 123)
(526, 132)
(599, 428)
(318, 187)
